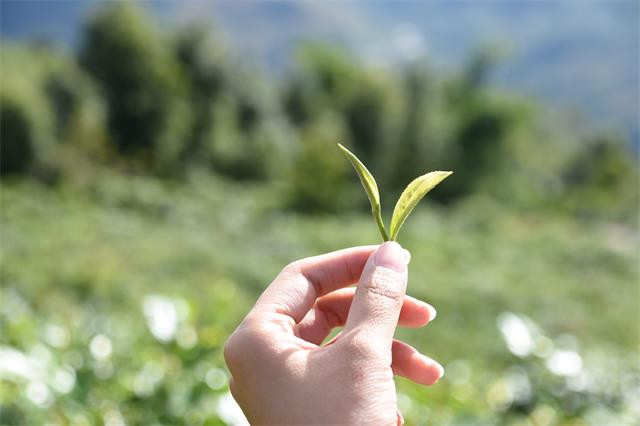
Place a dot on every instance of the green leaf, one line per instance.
(411, 196)
(371, 188)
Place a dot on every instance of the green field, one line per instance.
(118, 294)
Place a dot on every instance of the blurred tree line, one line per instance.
(146, 101)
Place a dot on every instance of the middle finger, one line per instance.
(331, 311)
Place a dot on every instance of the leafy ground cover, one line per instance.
(117, 296)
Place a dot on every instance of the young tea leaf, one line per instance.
(411, 196)
(370, 187)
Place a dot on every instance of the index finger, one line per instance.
(296, 288)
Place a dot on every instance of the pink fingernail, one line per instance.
(392, 256)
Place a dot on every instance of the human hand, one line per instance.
(280, 373)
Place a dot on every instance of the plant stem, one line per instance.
(378, 217)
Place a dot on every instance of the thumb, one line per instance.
(378, 299)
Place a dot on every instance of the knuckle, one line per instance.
(242, 343)
(361, 346)
(292, 267)
(386, 284)
(232, 351)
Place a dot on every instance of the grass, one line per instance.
(82, 260)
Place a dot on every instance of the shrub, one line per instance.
(48, 106)
(601, 181)
(318, 177)
(142, 84)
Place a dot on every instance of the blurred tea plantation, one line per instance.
(153, 184)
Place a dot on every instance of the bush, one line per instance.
(141, 81)
(319, 176)
(50, 110)
(204, 62)
(415, 149)
(16, 150)
(601, 181)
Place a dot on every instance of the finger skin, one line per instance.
(331, 311)
(408, 362)
(380, 295)
(296, 288)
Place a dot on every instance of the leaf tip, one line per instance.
(343, 148)
(444, 174)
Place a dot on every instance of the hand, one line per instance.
(280, 373)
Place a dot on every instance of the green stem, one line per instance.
(378, 217)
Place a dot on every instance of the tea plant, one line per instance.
(410, 197)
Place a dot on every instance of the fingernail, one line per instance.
(391, 255)
(432, 312)
(440, 371)
(407, 255)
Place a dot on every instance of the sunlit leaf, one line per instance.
(411, 196)
(371, 188)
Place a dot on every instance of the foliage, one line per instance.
(203, 61)
(411, 196)
(50, 111)
(171, 102)
(409, 199)
(319, 176)
(370, 187)
(328, 80)
(605, 175)
(419, 142)
(140, 79)
(117, 298)
(237, 127)
(180, 181)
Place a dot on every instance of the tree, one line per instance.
(50, 112)
(319, 173)
(484, 124)
(602, 180)
(203, 60)
(140, 78)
